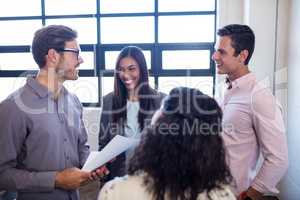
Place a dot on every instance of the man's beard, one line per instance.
(62, 73)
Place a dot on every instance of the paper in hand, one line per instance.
(115, 147)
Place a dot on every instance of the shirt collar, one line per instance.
(240, 82)
(41, 90)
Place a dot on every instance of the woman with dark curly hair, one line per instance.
(180, 157)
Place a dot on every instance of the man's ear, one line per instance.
(243, 55)
(52, 56)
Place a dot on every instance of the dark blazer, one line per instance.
(108, 130)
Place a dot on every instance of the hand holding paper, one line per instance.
(115, 147)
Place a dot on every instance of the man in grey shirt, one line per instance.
(43, 142)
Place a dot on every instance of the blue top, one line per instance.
(131, 127)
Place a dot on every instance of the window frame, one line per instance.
(99, 49)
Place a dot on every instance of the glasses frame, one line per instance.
(76, 51)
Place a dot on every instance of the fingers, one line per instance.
(94, 176)
(99, 173)
(102, 171)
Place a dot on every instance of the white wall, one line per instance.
(230, 11)
(291, 183)
(281, 76)
(261, 17)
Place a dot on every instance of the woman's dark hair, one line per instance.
(50, 37)
(182, 154)
(145, 92)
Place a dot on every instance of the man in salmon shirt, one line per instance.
(252, 120)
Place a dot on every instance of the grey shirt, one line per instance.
(38, 137)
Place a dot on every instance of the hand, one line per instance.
(252, 193)
(99, 173)
(71, 178)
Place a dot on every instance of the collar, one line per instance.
(240, 82)
(41, 90)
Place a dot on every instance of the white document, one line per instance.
(115, 147)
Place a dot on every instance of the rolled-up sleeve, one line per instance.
(269, 127)
(13, 132)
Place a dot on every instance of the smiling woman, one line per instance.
(129, 108)
(129, 74)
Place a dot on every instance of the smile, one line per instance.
(128, 82)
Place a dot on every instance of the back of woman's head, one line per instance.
(183, 151)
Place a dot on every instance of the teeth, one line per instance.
(128, 81)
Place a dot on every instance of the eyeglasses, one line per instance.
(76, 51)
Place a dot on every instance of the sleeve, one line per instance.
(222, 193)
(13, 132)
(270, 131)
(104, 128)
(105, 192)
(83, 146)
(116, 189)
